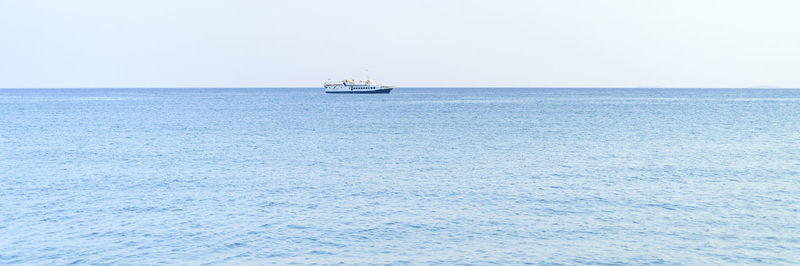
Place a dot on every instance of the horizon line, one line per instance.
(410, 87)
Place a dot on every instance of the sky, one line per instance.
(407, 43)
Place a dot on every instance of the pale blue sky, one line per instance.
(259, 43)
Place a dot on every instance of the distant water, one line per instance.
(231, 176)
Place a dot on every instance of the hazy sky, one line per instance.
(294, 43)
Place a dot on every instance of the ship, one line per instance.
(356, 86)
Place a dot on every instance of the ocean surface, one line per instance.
(419, 176)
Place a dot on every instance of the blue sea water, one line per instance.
(260, 176)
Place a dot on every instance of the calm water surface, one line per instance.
(230, 176)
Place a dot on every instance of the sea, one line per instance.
(419, 176)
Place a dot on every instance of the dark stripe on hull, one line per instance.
(384, 91)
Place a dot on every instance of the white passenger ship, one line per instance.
(356, 86)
